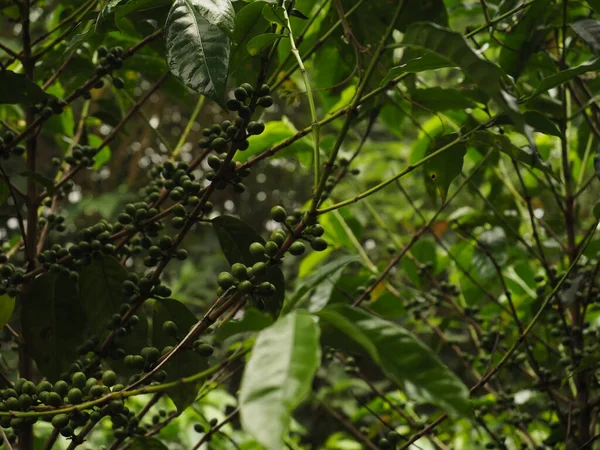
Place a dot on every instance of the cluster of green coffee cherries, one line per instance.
(77, 389)
(81, 155)
(339, 167)
(7, 139)
(246, 279)
(12, 276)
(108, 61)
(49, 107)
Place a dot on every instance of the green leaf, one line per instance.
(522, 40)
(597, 162)
(485, 141)
(441, 99)
(253, 320)
(400, 354)
(246, 21)
(453, 47)
(561, 77)
(262, 41)
(276, 132)
(54, 322)
(183, 364)
(278, 376)
(274, 14)
(429, 61)
(101, 295)
(249, 22)
(589, 31)
(16, 88)
(314, 291)
(197, 41)
(235, 238)
(147, 443)
(7, 306)
(595, 5)
(541, 123)
(4, 191)
(444, 168)
(596, 211)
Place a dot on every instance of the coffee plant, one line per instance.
(299, 224)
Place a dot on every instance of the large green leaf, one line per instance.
(7, 306)
(17, 88)
(429, 61)
(486, 140)
(561, 77)
(453, 47)
(445, 167)
(314, 291)
(197, 39)
(278, 376)
(522, 39)
(262, 41)
(276, 132)
(441, 99)
(147, 443)
(184, 363)
(589, 31)
(253, 320)
(4, 191)
(101, 295)
(235, 238)
(595, 5)
(401, 355)
(54, 322)
(249, 23)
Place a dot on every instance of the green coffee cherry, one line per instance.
(239, 271)
(257, 249)
(233, 104)
(205, 350)
(248, 88)
(150, 354)
(297, 248)
(61, 388)
(240, 94)
(265, 89)
(225, 280)
(170, 328)
(78, 380)
(259, 269)
(244, 286)
(75, 396)
(60, 421)
(53, 399)
(219, 144)
(319, 244)
(278, 214)
(43, 386)
(266, 289)
(271, 248)
(109, 378)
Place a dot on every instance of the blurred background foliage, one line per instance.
(486, 243)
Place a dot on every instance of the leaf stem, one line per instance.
(311, 102)
(188, 127)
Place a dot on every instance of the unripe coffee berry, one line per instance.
(278, 214)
